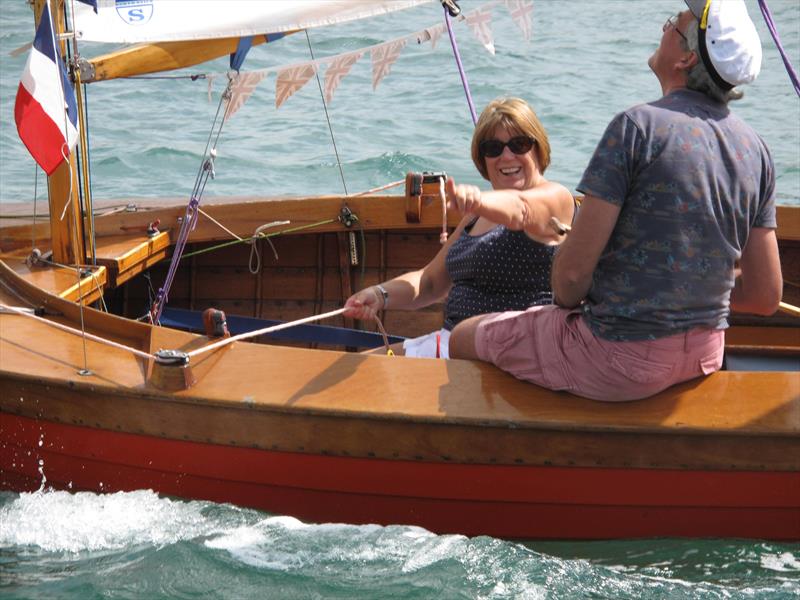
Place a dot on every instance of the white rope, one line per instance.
(24, 312)
(220, 225)
(380, 189)
(259, 234)
(789, 308)
(251, 240)
(257, 332)
(443, 235)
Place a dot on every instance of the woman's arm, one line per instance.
(528, 210)
(409, 291)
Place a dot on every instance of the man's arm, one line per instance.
(578, 255)
(759, 288)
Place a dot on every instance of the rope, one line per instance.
(251, 240)
(217, 223)
(259, 234)
(460, 66)
(789, 308)
(385, 337)
(24, 312)
(257, 332)
(443, 197)
(265, 235)
(379, 189)
(762, 4)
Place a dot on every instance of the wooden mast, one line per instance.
(63, 186)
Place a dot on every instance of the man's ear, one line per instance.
(687, 61)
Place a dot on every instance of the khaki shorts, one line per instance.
(554, 347)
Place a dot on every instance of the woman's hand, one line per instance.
(463, 198)
(364, 304)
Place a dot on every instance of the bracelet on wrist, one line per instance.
(384, 295)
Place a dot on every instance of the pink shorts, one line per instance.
(555, 348)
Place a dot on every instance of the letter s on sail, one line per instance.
(135, 12)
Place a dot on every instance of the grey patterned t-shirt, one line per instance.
(692, 179)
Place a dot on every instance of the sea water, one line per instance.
(585, 62)
(141, 545)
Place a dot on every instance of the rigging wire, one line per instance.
(35, 197)
(327, 116)
(457, 56)
(87, 174)
(189, 221)
(762, 4)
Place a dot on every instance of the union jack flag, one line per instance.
(480, 21)
(243, 86)
(292, 79)
(383, 58)
(521, 13)
(337, 70)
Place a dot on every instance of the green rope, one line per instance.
(259, 237)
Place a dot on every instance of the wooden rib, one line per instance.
(164, 56)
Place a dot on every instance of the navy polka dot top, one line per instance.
(497, 271)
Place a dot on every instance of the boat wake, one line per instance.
(145, 545)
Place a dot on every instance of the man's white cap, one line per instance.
(728, 41)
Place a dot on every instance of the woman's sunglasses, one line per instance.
(518, 145)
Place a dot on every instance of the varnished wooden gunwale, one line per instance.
(243, 215)
(453, 439)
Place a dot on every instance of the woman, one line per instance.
(499, 256)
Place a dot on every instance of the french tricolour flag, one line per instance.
(45, 109)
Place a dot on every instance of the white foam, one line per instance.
(74, 522)
(781, 562)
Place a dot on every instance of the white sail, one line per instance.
(135, 21)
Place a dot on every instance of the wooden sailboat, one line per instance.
(324, 434)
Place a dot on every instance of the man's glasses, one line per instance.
(672, 23)
(518, 145)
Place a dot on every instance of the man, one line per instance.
(677, 192)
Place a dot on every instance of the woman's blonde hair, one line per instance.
(517, 117)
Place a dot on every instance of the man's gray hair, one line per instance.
(698, 78)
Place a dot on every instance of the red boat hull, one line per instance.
(501, 500)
